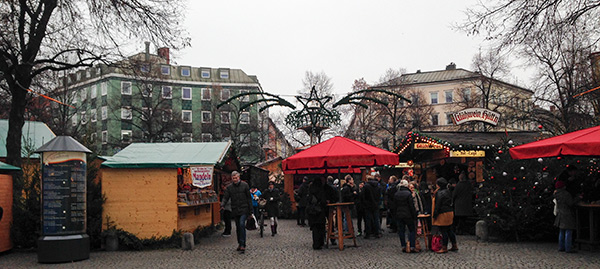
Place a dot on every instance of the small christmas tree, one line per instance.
(516, 197)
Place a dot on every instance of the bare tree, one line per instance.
(50, 35)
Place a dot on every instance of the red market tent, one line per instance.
(584, 142)
(335, 155)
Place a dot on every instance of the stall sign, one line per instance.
(467, 153)
(201, 176)
(427, 146)
(404, 165)
(476, 114)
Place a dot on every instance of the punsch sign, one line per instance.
(476, 114)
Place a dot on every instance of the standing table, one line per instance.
(336, 210)
(588, 220)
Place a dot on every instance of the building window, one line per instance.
(225, 117)
(93, 115)
(186, 137)
(186, 93)
(206, 117)
(98, 71)
(147, 90)
(206, 137)
(449, 96)
(186, 116)
(185, 71)
(167, 115)
(245, 118)
(167, 92)
(78, 76)
(449, 119)
(415, 99)
(104, 137)
(126, 113)
(93, 137)
(126, 136)
(145, 68)
(205, 73)
(74, 119)
(224, 94)
(206, 94)
(146, 113)
(83, 117)
(94, 91)
(87, 73)
(224, 74)
(104, 88)
(434, 119)
(165, 70)
(125, 87)
(245, 98)
(83, 94)
(104, 113)
(434, 98)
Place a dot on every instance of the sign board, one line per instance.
(467, 153)
(404, 165)
(201, 176)
(63, 193)
(476, 114)
(427, 146)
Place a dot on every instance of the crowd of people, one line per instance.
(408, 203)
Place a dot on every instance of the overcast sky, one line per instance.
(278, 41)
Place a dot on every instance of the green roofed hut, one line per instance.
(152, 189)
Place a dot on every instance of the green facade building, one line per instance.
(145, 98)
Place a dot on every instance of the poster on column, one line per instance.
(201, 176)
(63, 193)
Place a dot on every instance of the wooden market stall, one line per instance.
(152, 189)
(6, 204)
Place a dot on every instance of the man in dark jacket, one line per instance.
(301, 196)
(241, 206)
(272, 196)
(405, 214)
(316, 212)
(462, 199)
(372, 196)
(389, 201)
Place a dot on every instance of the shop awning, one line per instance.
(8, 167)
(584, 142)
(337, 153)
(168, 155)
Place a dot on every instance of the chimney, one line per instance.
(164, 53)
(147, 50)
(451, 66)
(418, 71)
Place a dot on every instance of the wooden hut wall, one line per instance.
(141, 201)
(6, 202)
(193, 216)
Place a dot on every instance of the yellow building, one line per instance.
(152, 189)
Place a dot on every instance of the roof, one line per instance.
(63, 143)
(4, 167)
(34, 135)
(168, 155)
(483, 138)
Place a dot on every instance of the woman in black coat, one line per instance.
(443, 215)
(272, 196)
(462, 199)
(315, 211)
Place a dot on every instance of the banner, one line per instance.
(476, 114)
(201, 176)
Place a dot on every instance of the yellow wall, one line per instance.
(6, 202)
(141, 201)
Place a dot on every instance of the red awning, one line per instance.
(338, 152)
(584, 142)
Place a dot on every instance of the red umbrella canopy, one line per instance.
(339, 152)
(584, 142)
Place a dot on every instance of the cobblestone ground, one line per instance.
(291, 248)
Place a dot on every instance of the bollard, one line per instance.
(481, 230)
(187, 241)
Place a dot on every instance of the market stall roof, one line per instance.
(34, 135)
(338, 153)
(168, 155)
(63, 143)
(483, 138)
(8, 167)
(584, 142)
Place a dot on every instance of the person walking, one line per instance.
(565, 217)
(315, 212)
(443, 215)
(360, 209)
(241, 206)
(462, 199)
(227, 219)
(255, 196)
(272, 196)
(406, 216)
